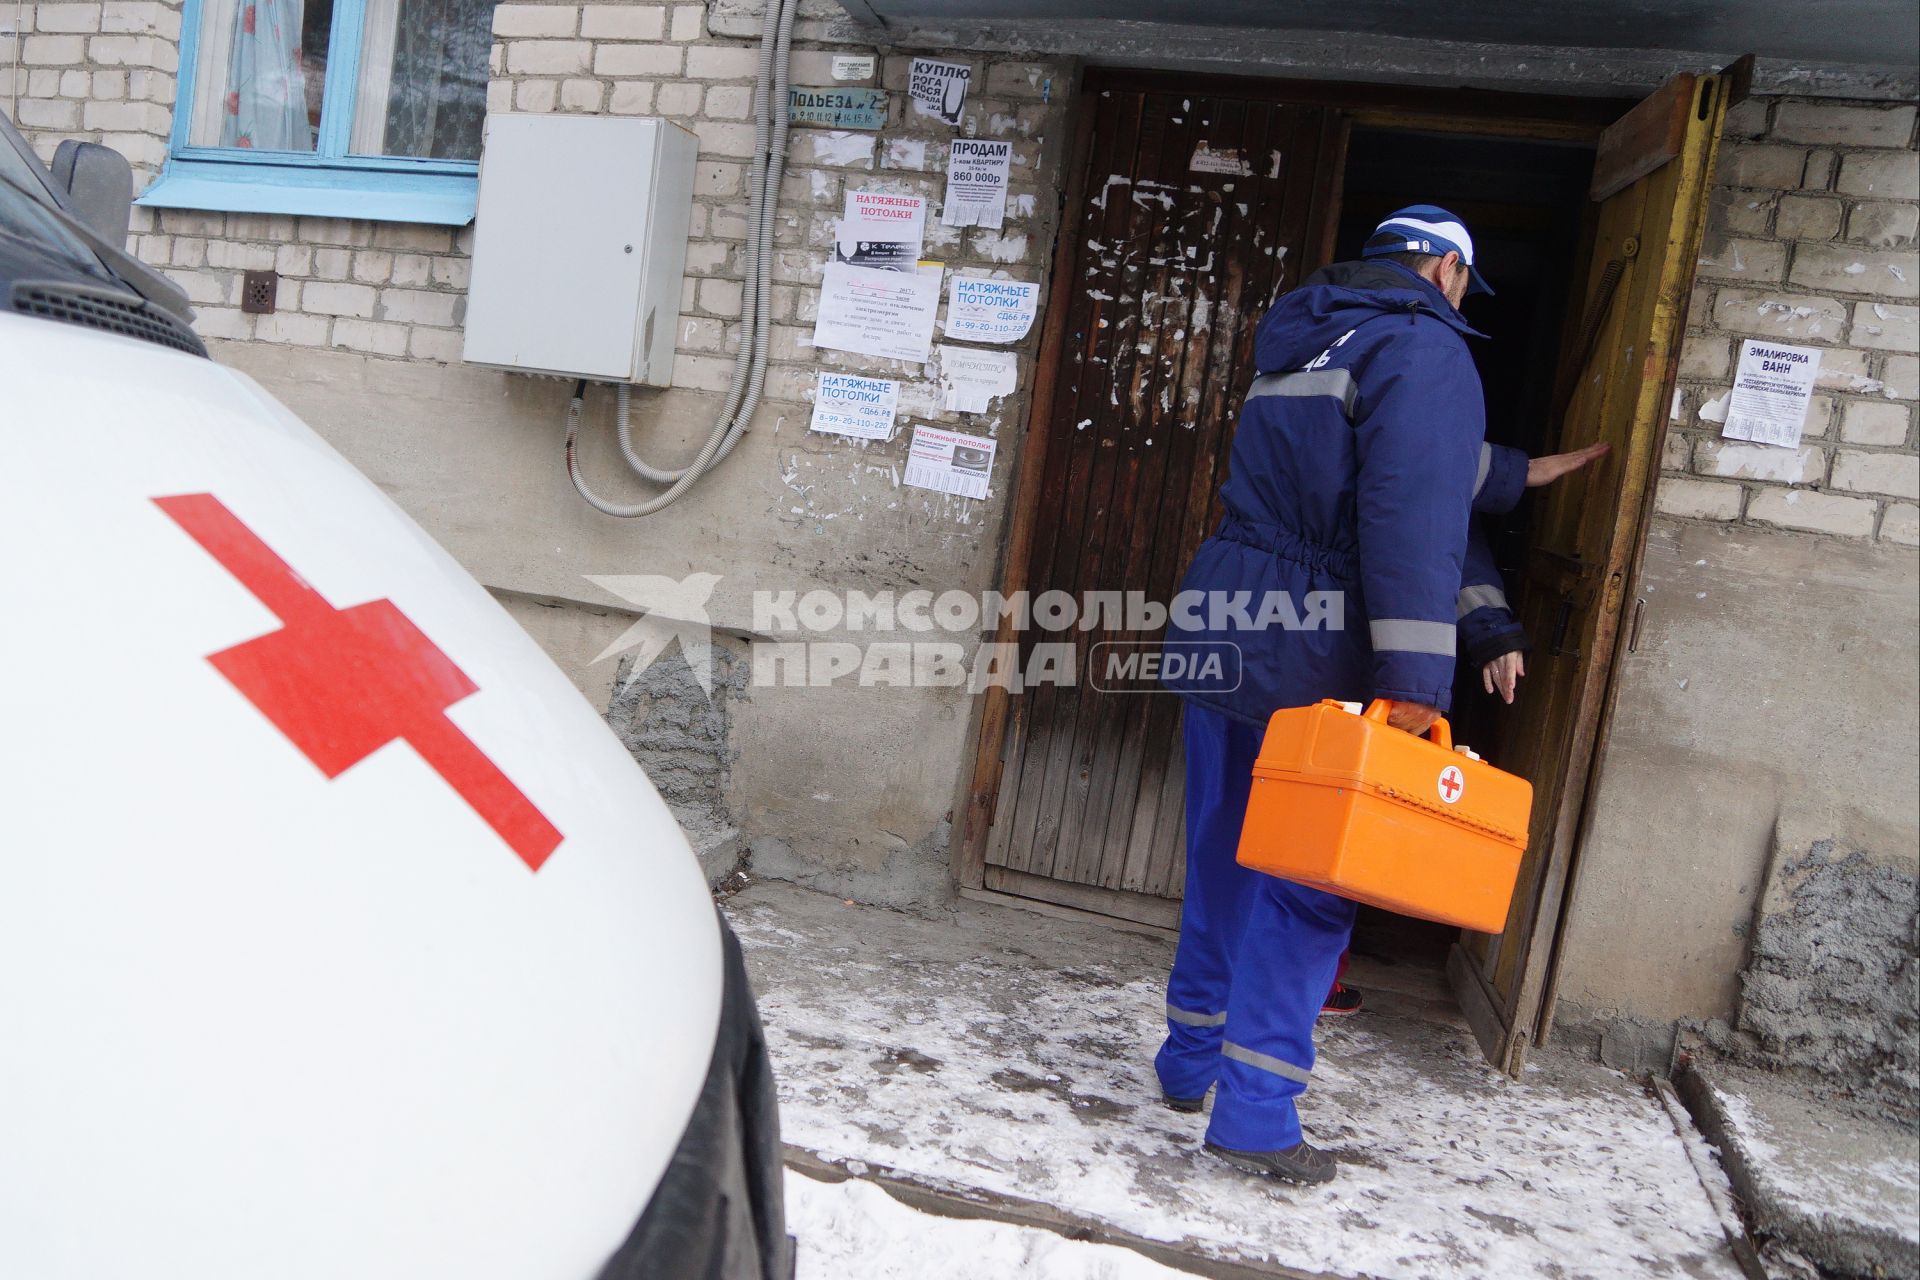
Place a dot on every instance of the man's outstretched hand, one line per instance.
(1502, 675)
(1547, 469)
(1414, 717)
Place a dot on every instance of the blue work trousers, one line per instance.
(1256, 959)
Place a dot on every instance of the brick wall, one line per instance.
(97, 70)
(663, 60)
(1810, 241)
(393, 290)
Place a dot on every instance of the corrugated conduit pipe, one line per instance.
(750, 362)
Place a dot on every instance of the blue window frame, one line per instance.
(386, 127)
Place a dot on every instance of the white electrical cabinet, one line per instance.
(580, 242)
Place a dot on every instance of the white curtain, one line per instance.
(377, 40)
(216, 48)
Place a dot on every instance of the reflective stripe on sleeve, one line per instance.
(1486, 466)
(1266, 1062)
(1410, 635)
(1487, 597)
(1189, 1019)
(1337, 383)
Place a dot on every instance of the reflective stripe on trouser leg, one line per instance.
(1265, 1062)
(1288, 956)
(1220, 753)
(1188, 1018)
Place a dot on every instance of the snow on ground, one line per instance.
(1010, 1053)
(855, 1231)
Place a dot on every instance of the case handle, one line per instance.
(1441, 734)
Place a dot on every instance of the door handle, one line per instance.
(1571, 565)
(1561, 622)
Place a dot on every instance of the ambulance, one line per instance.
(339, 936)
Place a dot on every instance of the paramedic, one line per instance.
(1357, 464)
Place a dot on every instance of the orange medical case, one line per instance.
(1344, 802)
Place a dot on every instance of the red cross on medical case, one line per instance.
(1345, 802)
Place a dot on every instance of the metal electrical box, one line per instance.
(580, 242)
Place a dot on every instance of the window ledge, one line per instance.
(444, 199)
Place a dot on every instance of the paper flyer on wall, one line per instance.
(977, 170)
(970, 378)
(949, 462)
(879, 313)
(1227, 160)
(882, 230)
(845, 404)
(1771, 391)
(938, 88)
(983, 310)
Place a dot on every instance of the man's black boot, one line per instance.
(1298, 1163)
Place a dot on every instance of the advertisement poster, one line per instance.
(983, 310)
(1227, 160)
(948, 462)
(879, 313)
(939, 88)
(1771, 391)
(881, 230)
(977, 170)
(970, 378)
(847, 405)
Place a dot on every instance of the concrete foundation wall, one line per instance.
(1769, 705)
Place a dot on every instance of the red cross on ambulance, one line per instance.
(342, 683)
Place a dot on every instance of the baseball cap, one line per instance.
(1426, 228)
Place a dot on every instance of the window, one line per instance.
(342, 108)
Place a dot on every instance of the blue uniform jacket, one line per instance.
(1337, 569)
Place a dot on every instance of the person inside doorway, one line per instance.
(1491, 640)
(1359, 461)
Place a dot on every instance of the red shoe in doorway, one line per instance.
(1341, 1001)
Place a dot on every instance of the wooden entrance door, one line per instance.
(1190, 213)
(1651, 172)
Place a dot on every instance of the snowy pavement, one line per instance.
(855, 1231)
(1006, 1054)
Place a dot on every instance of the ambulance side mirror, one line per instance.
(99, 186)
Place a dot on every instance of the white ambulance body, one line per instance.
(339, 936)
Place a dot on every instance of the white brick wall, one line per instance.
(379, 288)
(1811, 240)
(662, 59)
(100, 71)
(392, 290)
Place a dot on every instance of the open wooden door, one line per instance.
(1651, 176)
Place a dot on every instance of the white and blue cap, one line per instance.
(1426, 228)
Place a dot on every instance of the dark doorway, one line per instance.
(1524, 202)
